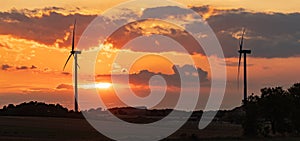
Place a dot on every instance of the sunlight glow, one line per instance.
(103, 85)
(99, 85)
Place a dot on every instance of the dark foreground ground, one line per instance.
(50, 128)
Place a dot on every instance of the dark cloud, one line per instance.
(22, 68)
(5, 67)
(26, 67)
(64, 86)
(187, 72)
(66, 73)
(136, 29)
(37, 11)
(205, 9)
(268, 35)
(201, 9)
(33, 67)
(164, 12)
(50, 28)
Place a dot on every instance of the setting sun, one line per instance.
(103, 85)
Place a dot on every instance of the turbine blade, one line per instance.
(242, 39)
(67, 61)
(240, 56)
(73, 38)
(239, 66)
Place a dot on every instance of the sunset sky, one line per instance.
(35, 40)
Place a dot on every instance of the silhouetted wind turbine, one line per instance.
(74, 54)
(243, 52)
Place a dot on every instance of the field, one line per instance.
(49, 128)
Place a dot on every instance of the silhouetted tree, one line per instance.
(295, 94)
(250, 124)
(275, 107)
(34, 108)
(275, 110)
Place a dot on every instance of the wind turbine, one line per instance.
(243, 52)
(74, 54)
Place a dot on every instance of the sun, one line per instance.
(103, 85)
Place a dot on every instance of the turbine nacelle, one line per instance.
(245, 51)
(75, 52)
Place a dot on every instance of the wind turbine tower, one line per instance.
(243, 52)
(74, 53)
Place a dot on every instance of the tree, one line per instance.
(275, 106)
(295, 94)
(250, 123)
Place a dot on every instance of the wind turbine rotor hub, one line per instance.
(77, 52)
(245, 51)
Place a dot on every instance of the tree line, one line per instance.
(34, 108)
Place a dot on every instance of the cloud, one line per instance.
(33, 67)
(187, 72)
(64, 86)
(49, 28)
(25, 67)
(66, 73)
(37, 90)
(268, 35)
(38, 13)
(9, 67)
(146, 29)
(143, 84)
(5, 67)
(190, 71)
(165, 12)
(206, 11)
(22, 68)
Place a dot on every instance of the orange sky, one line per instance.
(32, 70)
